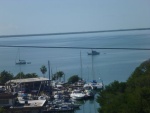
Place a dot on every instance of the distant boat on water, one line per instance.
(20, 62)
(94, 53)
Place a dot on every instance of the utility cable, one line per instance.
(69, 33)
(74, 47)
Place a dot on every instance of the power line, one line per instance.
(69, 33)
(69, 47)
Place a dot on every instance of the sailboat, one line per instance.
(93, 52)
(94, 84)
(20, 61)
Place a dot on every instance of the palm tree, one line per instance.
(60, 74)
(43, 70)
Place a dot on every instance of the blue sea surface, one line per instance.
(110, 65)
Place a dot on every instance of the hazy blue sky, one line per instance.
(48, 16)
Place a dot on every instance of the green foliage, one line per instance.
(5, 76)
(31, 75)
(140, 77)
(58, 75)
(132, 96)
(116, 87)
(73, 79)
(2, 110)
(43, 70)
(111, 97)
(21, 75)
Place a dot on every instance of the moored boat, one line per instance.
(89, 94)
(77, 94)
(94, 53)
(21, 62)
(94, 84)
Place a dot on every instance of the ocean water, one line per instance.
(110, 65)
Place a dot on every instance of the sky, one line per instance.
(53, 16)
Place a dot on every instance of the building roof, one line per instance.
(25, 80)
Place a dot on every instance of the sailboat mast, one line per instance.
(81, 64)
(49, 76)
(19, 53)
(93, 68)
(49, 69)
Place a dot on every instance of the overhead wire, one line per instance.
(69, 33)
(73, 47)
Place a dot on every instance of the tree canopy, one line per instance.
(58, 75)
(5, 76)
(43, 70)
(132, 96)
(73, 79)
(21, 75)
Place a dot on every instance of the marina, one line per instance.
(58, 99)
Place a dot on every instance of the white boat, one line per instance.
(94, 85)
(77, 94)
(22, 99)
(89, 93)
(58, 96)
(32, 103)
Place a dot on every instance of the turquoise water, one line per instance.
(110, 65)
